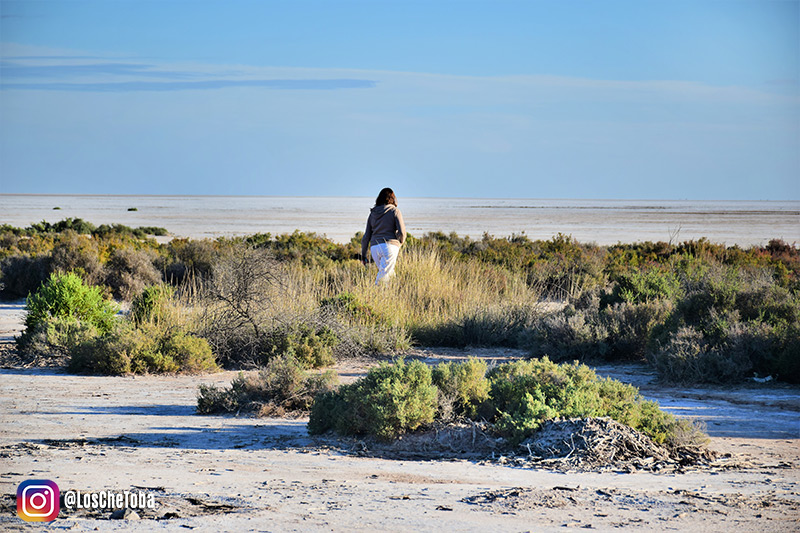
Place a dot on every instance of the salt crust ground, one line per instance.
(243, 474)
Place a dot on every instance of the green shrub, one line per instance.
(110, 353)
(54, 338)
(463, 387)
(389, 401)
(77, 225)
(310, 249)
(769, 303)
(712, 288)
(105, 231)
(639, 285)
(191, 354)
(622, 331)
(152, 305)
(785, 360)
(623, 403)
(77, 253)
(568, 335)
(281, 386)
(312, 346)
(526, 393)
(189, 258)
(631, 327)
(67, 296)
(147, 349)
(688, 357)
(393, 399)
(350, 306)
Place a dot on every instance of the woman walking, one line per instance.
(384, 235)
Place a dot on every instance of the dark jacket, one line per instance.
(385, 224)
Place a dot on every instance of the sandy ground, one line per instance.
(215, 473)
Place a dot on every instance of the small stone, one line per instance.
(124, 514)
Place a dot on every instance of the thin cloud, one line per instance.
(132, 86)
(80, 73)
(11, 70)
(44, 69)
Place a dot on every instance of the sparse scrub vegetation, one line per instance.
(255, 298)
(68, 319)
(282, 386)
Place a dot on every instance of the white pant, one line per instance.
(385, 256)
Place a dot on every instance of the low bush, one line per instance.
(689, 356)
(731, 323)
(564, 269)
(281, 386)
(153, 304)
(111, 353)
(188, 353)
(463, 388)
(77, 225)
(186, 259)
(77, 253)
(785, 360)
(120, 230)
(350, 306)
(145, 349)
(526, 393)
(391, 400)
(22, 274)
(568, 335)
(631, 327)
(311, 346)
(645, 284)
(129, 271)
(52, 340)
(515, 397)
(66, 297)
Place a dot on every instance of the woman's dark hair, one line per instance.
(386, 196)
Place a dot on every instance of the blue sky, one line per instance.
(539, 99)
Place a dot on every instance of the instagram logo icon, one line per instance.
(38, 500)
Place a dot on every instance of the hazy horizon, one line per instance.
(601, 221)
(565, 198)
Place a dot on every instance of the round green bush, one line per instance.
(526, 393)
(391, 400)
(65, 297)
